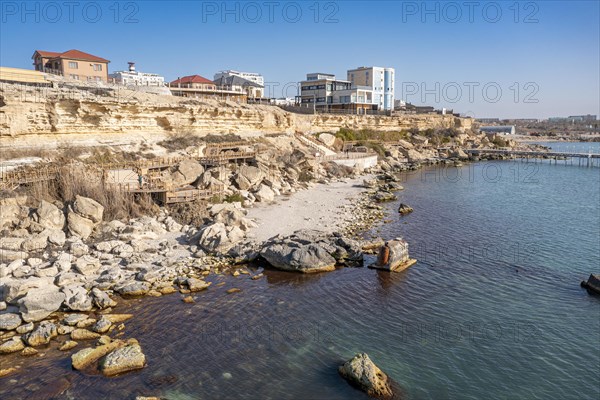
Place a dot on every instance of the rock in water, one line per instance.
(86, 357)
(393, 256)
(302, 258)
(592, 284)
(125, 359)
(363, 373)
(404, 209)
(38, 303)
(42, 334)
(12, 345)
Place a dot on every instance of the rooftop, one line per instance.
(72, 54)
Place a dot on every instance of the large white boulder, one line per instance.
(50, 216)
(38, 303)
(88, 208)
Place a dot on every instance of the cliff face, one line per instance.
(28, 111)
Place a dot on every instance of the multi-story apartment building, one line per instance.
(133, 77)
(72, 64)
(326, 93)
(380, 80)
(199, 87)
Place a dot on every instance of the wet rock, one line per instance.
(88, 208)
(12, 345)
(404, 209)
(293, 256)
(29, 351)
(45, 332)
(38, 303)
(68, 345)
(364, 374)
(118, 318)
(124, 359)
(88, 356)
(188, 299)
(592, 284)
(384, 196)
(9, 321)
(233, 290)
(84, 334)
(7, 371)
(393, 256)
(196, 285)
(102, 325)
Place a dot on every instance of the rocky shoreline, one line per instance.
(64, 268)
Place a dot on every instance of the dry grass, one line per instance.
(77, 180)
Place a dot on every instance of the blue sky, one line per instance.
(488, 59)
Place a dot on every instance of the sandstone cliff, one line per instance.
(60, 111)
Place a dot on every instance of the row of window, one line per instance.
(89, 78)
(75, 65)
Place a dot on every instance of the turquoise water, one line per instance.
(492, 310)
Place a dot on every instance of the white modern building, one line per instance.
(380, 80)
(133, 77)
(324, 92)
(251, 76)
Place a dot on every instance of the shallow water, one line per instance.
(493, 309)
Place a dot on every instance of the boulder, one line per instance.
(45, 331)
(84, 334)
(12, 255)
(361, 372)
(57, 237)
(87, 265)
(9, 321)
(11, 243)
(304, 258)
(74, 319)
(327, 139)
(88, 208)
(187, 172)
(393, 256)
(101, 299)
(12, 210)
(76, 298)
(404, 209)
(12, 345)
(38, 303)
(264, 194)
(37, 242)
(123, 359)
(196, 285)
(384, 196)
(217, 238)
(50, 216)
(102, 325)
(78, 225)
(133, 289)
(248, 177)
(15, 288)
(592, 284)
(88, 356)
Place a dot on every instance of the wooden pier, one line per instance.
(584, 159)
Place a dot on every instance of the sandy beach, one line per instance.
(319, 207)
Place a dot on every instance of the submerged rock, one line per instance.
(123, 359)
(86, 357)
(364, 374)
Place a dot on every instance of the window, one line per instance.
(97, 67)
(73, 64)
(76, 77)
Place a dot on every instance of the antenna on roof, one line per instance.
(131, 66)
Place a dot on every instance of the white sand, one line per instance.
(319, 207)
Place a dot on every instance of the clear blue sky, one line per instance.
(550, 49)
